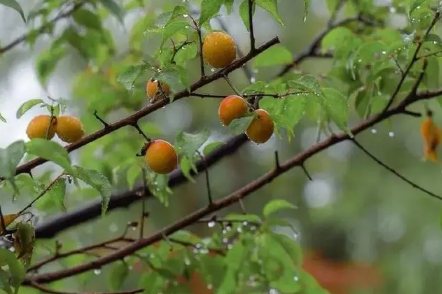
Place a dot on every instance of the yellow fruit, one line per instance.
(219, 49)
(261, 128)
(230, 108)
(69, 129)
(161, 157)
(432, 137)
(39, 127)
(152, 88)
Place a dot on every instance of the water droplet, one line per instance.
(209, 286)
(392, 9)
(12, 249)
(97, 271)
(253, 228)
(391, 134)
(195, 251)
(239, 229)
(186, 261)
(224, 231)
(225, 240)
(212, 70)
(211, 224)
(230, 246)
(374, 131)
(185, 15)
(228, 228)
(204, 251)
(198, 245)
(252, 80)
(152, 255)
(186, 27)
(245, 223)
(273, 291)
(296, 278)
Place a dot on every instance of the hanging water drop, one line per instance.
(211, 224)
(245, 223)
(186, 261)
(212, 70)
(252, 80)
(185, 15)
(97, 271)
(391, 134)
(374, 131)
(239, 229)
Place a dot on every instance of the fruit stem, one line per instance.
(200, 40)
(206, 171)
(231, 85)
(140, 131)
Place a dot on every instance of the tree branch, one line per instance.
(51, 291)
(42, 28)
(128, 121)
(237, 196)
(390, 169)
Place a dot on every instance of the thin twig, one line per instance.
(304, 169)
(274, 95)
(143, 203)
(42, 28)
(252, 33)
(277, 166)
(410, 65)
(231, 85)
(393, 171)
(140, 131)
(105, 124)
(52, 291)
(200, 41)
(206, 172)
(3, 225)
(42, 193)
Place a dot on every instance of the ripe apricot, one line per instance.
(230, 108)
(196, 283)
(152, 88)
(261, 128)
(161, 157)
(219, 49)
(69, 129)
(432, 138)
(42, 126)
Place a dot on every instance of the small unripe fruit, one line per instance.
(161, 157)
(261, 128)
(42, 126)
(152, 89)
(69, 129)
(219, 49)
(230, 108)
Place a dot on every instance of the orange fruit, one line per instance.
(152, 89)
(69, 129)
(196, 283)
(219, 49)
(230, 108)
(261, 128)
(41, 126)
(161, 157)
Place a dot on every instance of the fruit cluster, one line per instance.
(68, 128)
(218, 51)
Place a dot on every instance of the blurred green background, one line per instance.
(386, 222)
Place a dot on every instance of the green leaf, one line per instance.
(98, 181)
(4, 282)
(24, 242)
(309, 83)
(173, 28)
(27, 106)
(133, 172)
(117, 275)
(414, 5)
(209, 8)
(290, 245)
(87, 18)
(276, 205)
(10, 158)
(114, 8)
(47, 62)
(15, 268)
(244, 12)
(272, 7)
(187, 144)
(51, 151)
(229, 5)
(186, 166)
(275, 55)
(129, 75)
(336, 106)
(210, 147)
(57, 192)
(306, 9)
(240, 125)
(14, 5)
(171, 76)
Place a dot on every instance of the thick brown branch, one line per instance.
(237, 196)
(25, 168)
